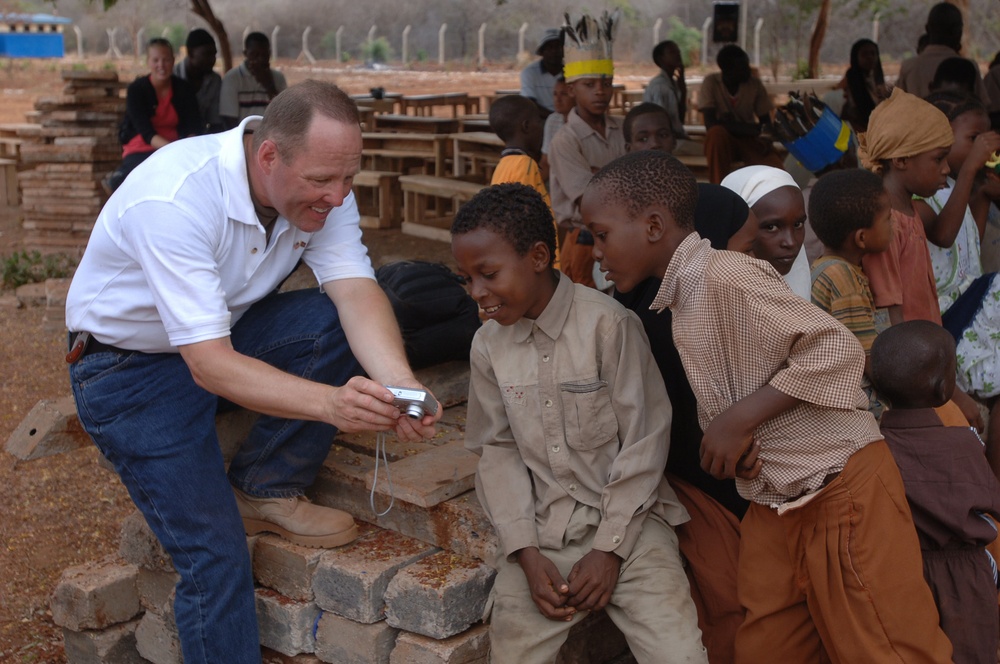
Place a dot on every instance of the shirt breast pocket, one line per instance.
(588, 417)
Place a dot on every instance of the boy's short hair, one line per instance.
(842, 202)
(258, 38)
(958, 71)
(909, 361)
(660, 48)
(642, 179)
(507, 112)
(954, 104)
(642, 109)
(514, 211)
(729, 55)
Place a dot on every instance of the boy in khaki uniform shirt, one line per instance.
(570, 418)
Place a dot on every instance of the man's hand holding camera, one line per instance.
(365, 405)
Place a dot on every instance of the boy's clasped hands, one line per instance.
(588, 586)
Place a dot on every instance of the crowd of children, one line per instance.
(739, 457)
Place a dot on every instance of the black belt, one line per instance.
(82, 344)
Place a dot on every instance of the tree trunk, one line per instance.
(819, 33)
(203, 9)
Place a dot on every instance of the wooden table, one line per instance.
(418, 124)
(474, 149)
(631, 98)
(389, 102)
(423, 105)
(398, 152)
(474, 122)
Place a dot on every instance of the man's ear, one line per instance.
(267, 156)
(943, 390)
(541, 257)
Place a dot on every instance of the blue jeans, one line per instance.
(149, 418)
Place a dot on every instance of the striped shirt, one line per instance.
(842, 290)
(738, 327)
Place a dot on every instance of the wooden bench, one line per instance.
(8, 183)
(430, 203)
(380, 199)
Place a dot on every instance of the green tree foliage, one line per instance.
(688, 40)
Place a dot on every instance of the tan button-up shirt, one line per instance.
(738, 327)
(568, 409)
(576, 153)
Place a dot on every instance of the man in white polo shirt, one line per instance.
(174, 310)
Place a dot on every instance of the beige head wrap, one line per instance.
(902, 126)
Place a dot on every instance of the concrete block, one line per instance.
(343, 641)
(112, 645)
(351, 581)
(450, 428)
(448, 382)
(32, 295)
(50, 427)
(431, 477)
(139, 545)
(438, 596)
(285, 567)
(269, 656)
(459, 524)
(286, 625)
(56, 291)
(156, 589)
(470, 647)
(95, 595)
(156, 637)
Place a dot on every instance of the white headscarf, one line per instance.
(753, 183)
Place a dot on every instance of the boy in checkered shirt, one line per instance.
(829, 560)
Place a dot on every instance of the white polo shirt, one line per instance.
(178, 254)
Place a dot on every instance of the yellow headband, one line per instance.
(582, 68)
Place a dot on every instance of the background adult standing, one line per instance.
(198, 70)
(249, 88)
(538, 80)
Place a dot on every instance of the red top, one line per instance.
(164, 121)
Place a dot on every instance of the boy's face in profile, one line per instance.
(781, 228)
(592, 95)
(878, 237)
(651, 131)
(621, 246)
(504, 284)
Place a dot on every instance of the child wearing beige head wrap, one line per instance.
(906, 143)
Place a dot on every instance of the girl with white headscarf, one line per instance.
(780, 214)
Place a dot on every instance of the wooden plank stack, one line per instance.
(71, 143)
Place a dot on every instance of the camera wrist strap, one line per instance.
(380, 450)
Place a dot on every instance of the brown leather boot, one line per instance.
(297, 520)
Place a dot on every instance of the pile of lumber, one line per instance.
(69, 144)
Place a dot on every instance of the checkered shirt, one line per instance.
(738, 327)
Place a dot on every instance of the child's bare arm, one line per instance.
(730, 434)
(549, 590)
(942, 228)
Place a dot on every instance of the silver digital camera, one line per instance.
(415, 403)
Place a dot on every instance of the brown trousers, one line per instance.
(722, 149)
(710, 544)
(840, 578)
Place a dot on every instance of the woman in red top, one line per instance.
(159, 109)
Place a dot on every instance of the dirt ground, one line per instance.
(65, 510)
